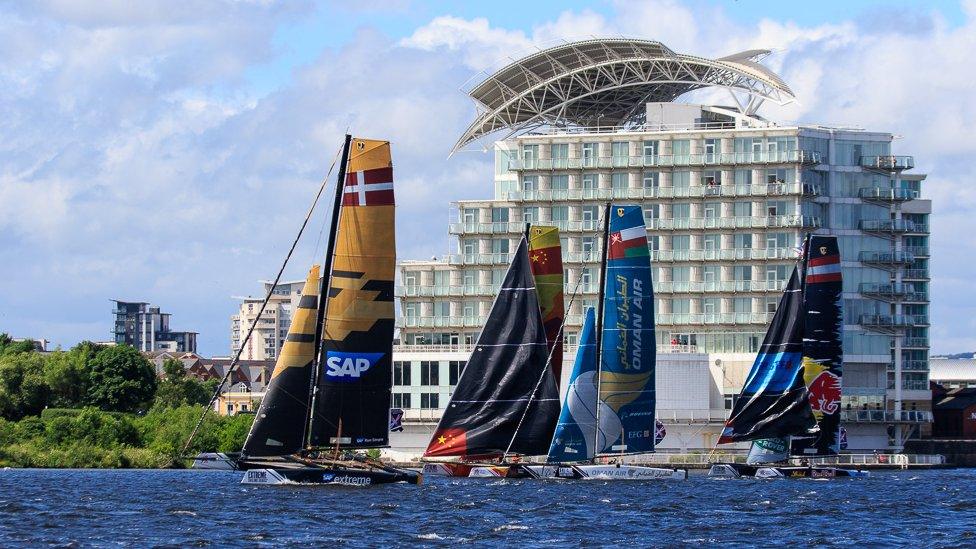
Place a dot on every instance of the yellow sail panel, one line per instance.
(358, 332)
(299, 347)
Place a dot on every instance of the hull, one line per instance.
(448, 469)
(215, 461)
(332, 475)
(738, 470)
(580, 472)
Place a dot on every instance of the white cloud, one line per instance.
(134, 162)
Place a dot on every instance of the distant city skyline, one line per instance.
(167, 154)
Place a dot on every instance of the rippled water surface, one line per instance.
(153, 508)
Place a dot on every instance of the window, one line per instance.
(442, 279)
(455, 367)
(711, 242)
(530, 152)
(777, 272)
(742, 241)
(710, 273)
(681, 242)
(429, 401)
(742, 209)
(712, 146)
(560, 213)
(588, 152)
(712, 209)
(442, 309)
(710, 305)
(499, 215)
(711, 178)
(411, 310)
(681, 147)
(401, 373)
(681, 211)
(681, 180)
(401, 400)
(430, 373)
(652, 212)
(777, 240)
(530, 183)
(589, 213)
(742, 272)
(651, 180)
(559, 150)
(497, 277)
(618, 181)
(559, 182)
(620, 149)
(681, 306)
(680, 274)
(499, 245)
(651, 148)
(742, 305)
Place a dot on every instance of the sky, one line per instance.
(167, 152)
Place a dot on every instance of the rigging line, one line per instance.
(559, 337)
(264, 304)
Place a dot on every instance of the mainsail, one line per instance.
(545, 255)
(774, 403)
(573, 439)
(504, 372)
(822, 345)
(628, 351)
(279, 426)
(352, 409)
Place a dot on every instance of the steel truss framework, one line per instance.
(605, 83)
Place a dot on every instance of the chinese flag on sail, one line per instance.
(447, 442)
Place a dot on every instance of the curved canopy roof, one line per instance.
(606, 82)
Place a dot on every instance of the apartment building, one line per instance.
(146, 327)
(727, 196)
(272, 327)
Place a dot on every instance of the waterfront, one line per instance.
(182, 508)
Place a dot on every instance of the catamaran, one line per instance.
(608, 413)
(506, 402)
(790, 402)
(329, 393)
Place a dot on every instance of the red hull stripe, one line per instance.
(830, 277)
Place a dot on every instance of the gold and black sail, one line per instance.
(279, 426)
(352, 406)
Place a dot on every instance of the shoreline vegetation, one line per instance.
(104, 407)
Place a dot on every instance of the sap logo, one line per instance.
(349, 367)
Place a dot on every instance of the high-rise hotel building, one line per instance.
(727, 196)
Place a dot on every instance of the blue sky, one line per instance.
(166, 152)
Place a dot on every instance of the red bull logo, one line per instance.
(825, 393)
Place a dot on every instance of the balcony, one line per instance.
(681, 319)
(742, 222)
(888, 163)
(878, 194)
(887, 226)
(918, 251)
(887, 259)
(911, 365)
(666, 160)
(518, 227)
(892, 323)
(724, 286)
(438, 291)
(915, 274)
(480, 259)
(891, 292)
(643, 193)
(913, 343)
(885, 416)
(440, 322)
(733, 254)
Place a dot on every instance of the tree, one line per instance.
(121, 380)
(9, 346)
(67, 374)
(23, 389)
(177, 389)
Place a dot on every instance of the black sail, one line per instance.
(822, 346)
(774, 401)
(279, 426)
(500, 386)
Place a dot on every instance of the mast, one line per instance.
(601, 294)
(326, 287)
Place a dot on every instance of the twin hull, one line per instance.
(344, 476)
(595, 472)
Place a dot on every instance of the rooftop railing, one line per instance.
(667, 160)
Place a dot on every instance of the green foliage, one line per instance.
(121, 379)
(23, 389)
(67, 374)
(177, 389)
(9, 347)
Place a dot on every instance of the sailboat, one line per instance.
(790, 402)
(609, 408)
(329, 393)
(506, 402)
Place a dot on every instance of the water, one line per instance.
(200, 508)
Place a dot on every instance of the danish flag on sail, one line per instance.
(369, 188)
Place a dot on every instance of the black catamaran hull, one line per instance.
(331, 475)
(739, 470)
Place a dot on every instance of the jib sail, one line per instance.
(353, 404)
(279, 426)
(494, 392)
(773, 402)
(628, 349)
(822, 345)
(545, 256)
(576, 429)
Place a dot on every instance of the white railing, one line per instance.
(640, 193)
(567, 348)
(667, 160)
(886, 416)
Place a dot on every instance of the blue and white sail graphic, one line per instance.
(628, 350)
(573, 439)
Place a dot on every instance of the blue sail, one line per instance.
(573, 439)
(628, 349)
